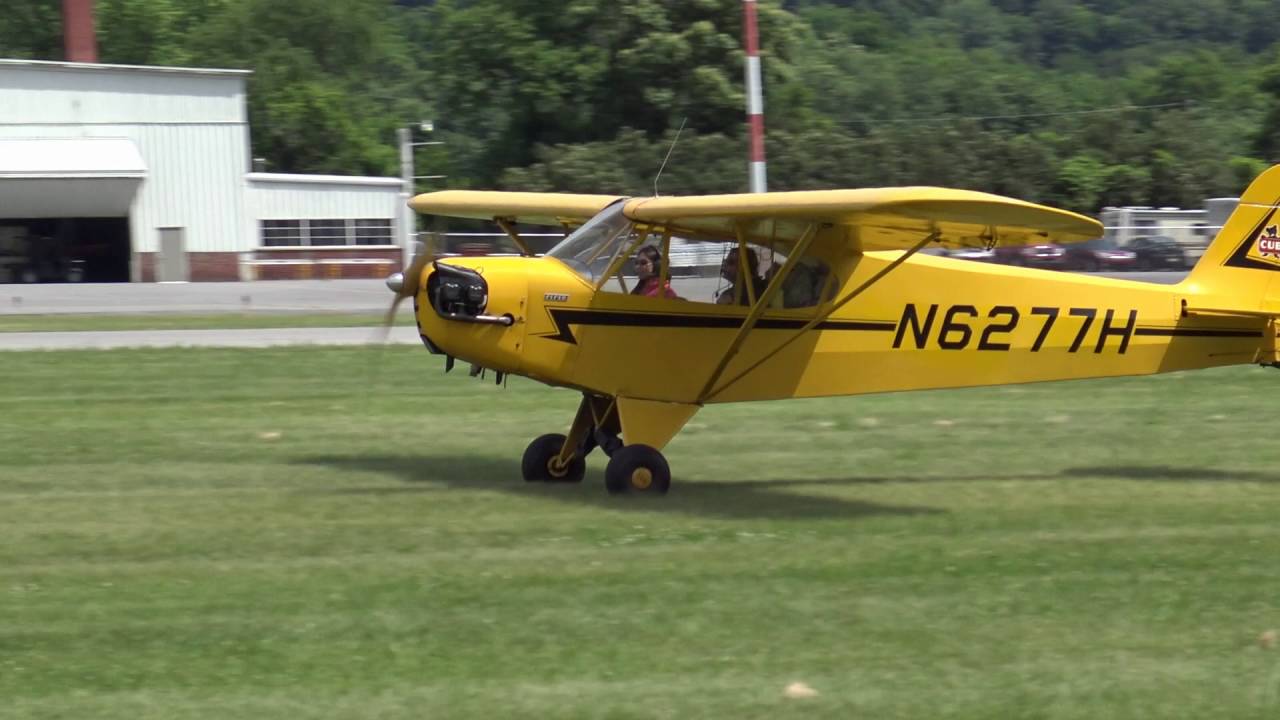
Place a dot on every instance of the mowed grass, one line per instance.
(211, 321)
(339, 533)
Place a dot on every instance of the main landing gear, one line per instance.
(542, 462)
(635, 468)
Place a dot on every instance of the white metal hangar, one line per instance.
(111, 173)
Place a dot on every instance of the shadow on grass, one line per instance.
(1164, 473)
(745, 498)
(1150, 473)
(733, 499)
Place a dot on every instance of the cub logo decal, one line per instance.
(1259, 249)
(1269, 243)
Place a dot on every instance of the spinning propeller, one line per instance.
(406, 284)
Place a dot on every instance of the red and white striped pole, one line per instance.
(755, 98)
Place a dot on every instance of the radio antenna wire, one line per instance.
(674, 140)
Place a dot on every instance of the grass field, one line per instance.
(343, 533)
(211, 321)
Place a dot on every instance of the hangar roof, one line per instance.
(105, 67)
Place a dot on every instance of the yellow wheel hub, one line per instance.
(556, 469)
(641, 478)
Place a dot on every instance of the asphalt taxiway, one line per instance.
(265, 297)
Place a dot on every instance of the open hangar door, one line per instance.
(64, 250)
(64, 208)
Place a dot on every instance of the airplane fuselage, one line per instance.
(929, 323)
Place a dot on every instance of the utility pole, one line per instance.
(755, 99)
(408, 182)
(408, 224)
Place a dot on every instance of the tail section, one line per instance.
(1239, 273)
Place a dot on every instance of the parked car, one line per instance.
(976, 254)
(1158, 253)
(1098, 255)
(1044, 255)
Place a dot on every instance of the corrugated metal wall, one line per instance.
(195, 180)
(60, 94)
(280, 198)
(300, 197)
(192, 129)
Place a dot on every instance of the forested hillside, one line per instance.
(1078, 104)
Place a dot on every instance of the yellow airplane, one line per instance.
(820, 293)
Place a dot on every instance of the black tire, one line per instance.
(637, 469)
(536, 464)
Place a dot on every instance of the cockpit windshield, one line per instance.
(591, 249)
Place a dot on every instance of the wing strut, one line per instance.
(509, 228)
(759, 304)
(822, 316)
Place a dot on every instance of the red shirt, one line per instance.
(650, 288)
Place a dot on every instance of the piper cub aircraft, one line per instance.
(820, 293)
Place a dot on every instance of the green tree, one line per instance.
(31, 29)
(1077, 104)
(332, 81)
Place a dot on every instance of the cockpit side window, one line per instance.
(619, 256)
(643, 270)
(712, 272)
(809, 283)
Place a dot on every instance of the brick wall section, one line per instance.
(213, 266)
(225, 266)
(360, 267)
(146, 267)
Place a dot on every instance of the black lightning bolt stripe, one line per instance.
(564, 318)
(1240, 258)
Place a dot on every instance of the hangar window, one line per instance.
(374, 232)
(281, 233)
(327, 233)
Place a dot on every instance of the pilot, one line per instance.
(729, 271)
(648, 262)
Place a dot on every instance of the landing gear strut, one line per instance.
(635, 468)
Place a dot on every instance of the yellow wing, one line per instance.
(871, 218)
(520, 207)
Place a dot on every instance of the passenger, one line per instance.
(648, 262)
(729, 271)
